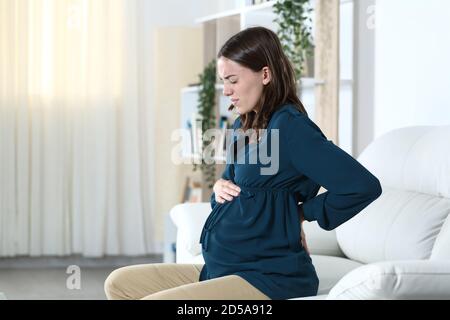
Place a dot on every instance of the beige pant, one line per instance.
(171, 281)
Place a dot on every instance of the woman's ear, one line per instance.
(267, 75)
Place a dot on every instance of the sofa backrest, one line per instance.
(406, 221)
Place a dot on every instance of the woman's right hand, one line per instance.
(225, 190)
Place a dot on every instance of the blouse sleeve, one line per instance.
(228, 173)
(350, 186)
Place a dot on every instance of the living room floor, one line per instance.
(50, 284)
(46, 279)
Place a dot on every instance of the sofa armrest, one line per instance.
(395, 280)
(189, 219)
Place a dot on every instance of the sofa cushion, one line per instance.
(441, 248)
(407, 279)
(399, 225)
(318, 297)
(330, 270)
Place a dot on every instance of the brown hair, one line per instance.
(256, 48)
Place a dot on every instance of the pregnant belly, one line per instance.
(253, 226)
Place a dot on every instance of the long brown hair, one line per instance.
(256, 48)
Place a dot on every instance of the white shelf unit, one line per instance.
(259, 14)
(219, 27)
(189, 107)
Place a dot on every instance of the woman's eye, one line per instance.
(233, 82)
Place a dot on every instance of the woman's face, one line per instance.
(241, 84)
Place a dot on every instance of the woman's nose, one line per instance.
(226, 90)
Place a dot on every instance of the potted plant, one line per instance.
(294, 30)
(207, 100)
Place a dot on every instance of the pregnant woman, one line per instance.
(252, 242)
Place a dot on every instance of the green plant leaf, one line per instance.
(294, 32)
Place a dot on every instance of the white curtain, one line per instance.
(75, 165)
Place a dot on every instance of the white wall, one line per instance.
(412, 82)
(364, 75)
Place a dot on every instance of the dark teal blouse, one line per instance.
(257, 235)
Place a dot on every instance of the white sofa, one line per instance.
(396, 248)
